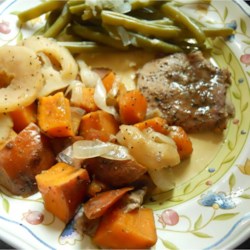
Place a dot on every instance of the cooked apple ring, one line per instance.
(57, 63)
(20, 77)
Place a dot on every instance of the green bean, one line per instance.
(153, 44)
(74, 2)
(216, 32)
(61, 22)
(78, 9)
(40, 9)
(149, 13)
(84, 46)
(135, 4)
(51, 18)
(137, 25)
(97, 36)
(184, 20)
(163, 21)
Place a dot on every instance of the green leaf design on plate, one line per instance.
(217, 52)
(176, 199)
(230, 57)
(225, 14)
(169, 245)
(232, 181)
(243, 26)
(6, 205)
(236, 95)
(245, 196)
(198, 222)
(187, 189)
(202, 235)
(225, 216)
(227, 160)
(246, 42)
(19, 36)
(230, 145)
(245, 106)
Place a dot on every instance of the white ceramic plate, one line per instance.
(208, 210)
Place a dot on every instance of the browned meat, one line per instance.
(188, 90)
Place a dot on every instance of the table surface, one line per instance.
(244, 245)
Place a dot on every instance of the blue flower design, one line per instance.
(69, 235)
(220, 199)
(232, 25)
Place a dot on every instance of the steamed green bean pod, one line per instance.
(135, 4)
(183, 20)
(216, 32)
(140, 26)
(78, 9)
(38, 10)
(97, 36)
(156, 25)
(61, 22)
(153, 44)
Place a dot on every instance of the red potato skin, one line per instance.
(115, 173)
(22, 159)
(98, 205)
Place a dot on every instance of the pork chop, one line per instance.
(188, 90)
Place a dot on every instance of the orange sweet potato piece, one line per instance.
(23, 116)
(54, 115)
(132, 106)
(182, 141)
(132, 230)
(158, 124)
(63, 188)
(108, 80)
(88, 102)
(98, 205)
(22, 158)
(98, 125)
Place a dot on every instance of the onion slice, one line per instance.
(85, 149)
(163, 178)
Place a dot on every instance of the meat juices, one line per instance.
(188, 91)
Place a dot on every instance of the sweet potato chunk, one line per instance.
(98, 125)
(132, 230)
(63, 188)
(23, 116)
(54, 115)
(115, 173)
(22, 158)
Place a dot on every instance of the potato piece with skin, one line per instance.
(22, 158)
(98, 205)
(63, 188)
(115, 173)
(151, 149)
